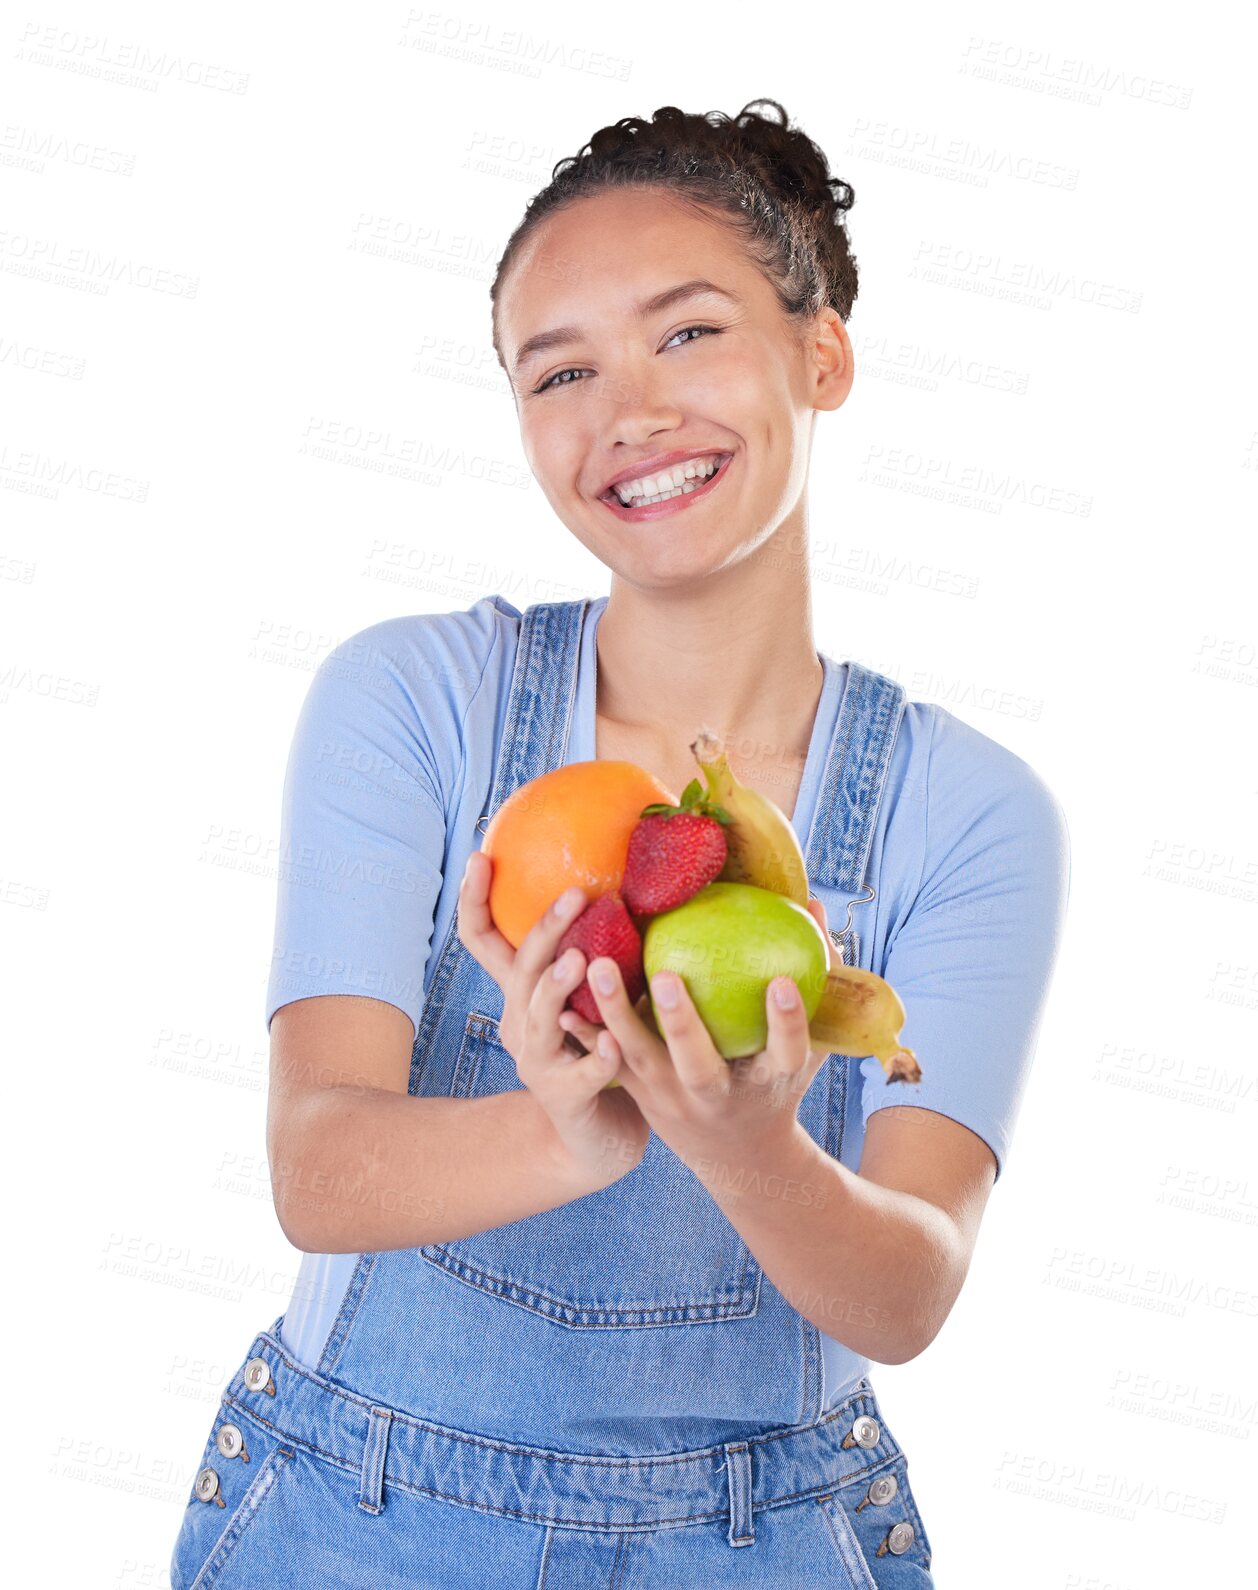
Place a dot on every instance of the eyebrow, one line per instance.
(695, 288)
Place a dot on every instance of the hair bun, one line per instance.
(790, 162)
(769, 179)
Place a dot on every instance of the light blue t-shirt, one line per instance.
(391, 763)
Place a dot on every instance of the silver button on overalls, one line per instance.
(865, 1431)
(900, 1539)
(207, 1485)
(230, 1442)
(258, 1376)
(883, 1489)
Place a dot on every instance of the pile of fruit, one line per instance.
(712, 887)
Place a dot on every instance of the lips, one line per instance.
(660, 464)
(672, 505)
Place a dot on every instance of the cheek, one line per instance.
(552, 450)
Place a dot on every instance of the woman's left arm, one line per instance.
(877, 1257)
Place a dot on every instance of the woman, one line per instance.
(548, 1332)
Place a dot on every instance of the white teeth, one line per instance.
(675, 482)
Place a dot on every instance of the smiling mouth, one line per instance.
(674, 501)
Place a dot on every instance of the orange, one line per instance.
(571, 825)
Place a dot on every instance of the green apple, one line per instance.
(727, 943)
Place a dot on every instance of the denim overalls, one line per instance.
(607, 1394)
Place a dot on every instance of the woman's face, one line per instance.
(706, 373)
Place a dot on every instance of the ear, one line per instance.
(830, 354)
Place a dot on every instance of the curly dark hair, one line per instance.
(770, 180)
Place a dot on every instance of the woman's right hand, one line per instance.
(599, 1130)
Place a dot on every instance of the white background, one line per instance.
(270, 229)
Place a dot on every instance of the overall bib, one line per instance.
(607, 1394)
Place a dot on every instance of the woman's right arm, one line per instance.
(358, 1164)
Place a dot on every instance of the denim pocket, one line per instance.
(210, 1532)
(877, 1531)
(653, 1248)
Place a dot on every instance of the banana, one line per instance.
(860, 1013)
(762, 847)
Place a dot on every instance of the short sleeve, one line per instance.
(973, 958)
(362, 830)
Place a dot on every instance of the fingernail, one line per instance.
(784, 995)
(568, 901)
(604, 980)
(562, 966)
(665, 991)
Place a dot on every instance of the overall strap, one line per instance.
(852, 783)
(542, 700)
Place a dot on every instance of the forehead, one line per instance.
(599, 256)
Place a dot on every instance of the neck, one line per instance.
(733, 653)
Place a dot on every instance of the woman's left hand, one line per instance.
(707, 1108)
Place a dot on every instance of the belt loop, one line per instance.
(371, 1480)
(742, 1529)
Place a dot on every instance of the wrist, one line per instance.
(772, 1165)
(572, 1174)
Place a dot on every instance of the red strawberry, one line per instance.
(674, 851)
(605, 928)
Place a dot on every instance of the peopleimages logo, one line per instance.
(132, 64)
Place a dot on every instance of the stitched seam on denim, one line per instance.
(587, 1319)
(620, 1563)
(832, 784)
(862, 731)
(673, 1522)
(260, 1487)
(482, 1280)
(882, 731)
(740, 1488)
(857, 1402)
(460, 778)
(822, 808)
(544, 1568)
(667, 1460)
(374, 1461)
(877, 707)
(525, 698)
(848, 1547)
(920, 1537)
(447, 961)
(811, 1403)
(334, 1346)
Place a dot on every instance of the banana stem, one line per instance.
(901, 1066)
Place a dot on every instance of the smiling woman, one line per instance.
(545, 1329)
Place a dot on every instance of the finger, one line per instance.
(476, 927)
(641, 1050)
(573, 1022)
(537, 948)
(657, 1059)
(550, 993)
(585, 1074)
(622, 1075)
(589, 1035)
(789, 1049)
(695, 1058)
